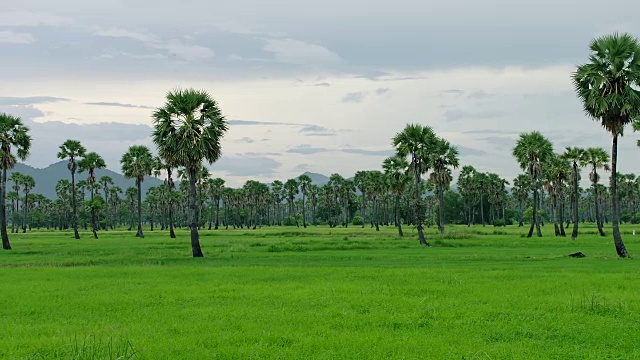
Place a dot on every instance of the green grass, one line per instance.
(319, 293)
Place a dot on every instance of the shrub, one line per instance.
(358, 220)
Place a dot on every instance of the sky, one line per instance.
(308, 86)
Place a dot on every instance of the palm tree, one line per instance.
(72, 150)
(608, 87)
(14, 135)
(314, 191)
(521, 187)
(291, 190)
(92, 161)
(557, 172)
(443, 157)
(16, 179)
(574, 154)
(415, 141)
(532, 150)
(137, 163)
(597, 158)
(395, 168)
(28, 183)
(360, 180)
(305, 182)
(215, 187)
(106, 181)
(188, 130)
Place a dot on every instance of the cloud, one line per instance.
(244, 165)
(298, 52)
(117, 104)
(455, 115)
(29, 100)
(324, 84)
(452, 91)
(466, 151)
(10, 37)
(253, 122)
(187, 51)
(503, 142)
(260, 154)
(479, 94)
(354, 97)
(306, 149)
(30, 19)
(489, 131)
(317, 130)
(249, 140)
(309, 150)
(301, 167)
(128, 34)
(382, 91)
(385, 76)
(369, 152)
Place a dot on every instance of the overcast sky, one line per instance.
(317, 86)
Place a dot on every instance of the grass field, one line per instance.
(320, 293)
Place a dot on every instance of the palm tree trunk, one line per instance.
(93, 219)
(217, 213)
(397, 217)
(482, 210)
(364, 208)
(172, 233)
(193, 217)
(561, 221)
(346, 211)
(418, 210)
(75, 209)
(534, 221)
(574, 233)
(3, 211)
(597, 210)
(615, 215)
(304, 220)
(441, 207)
(554, 210)
(139, 233)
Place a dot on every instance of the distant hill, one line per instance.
(47, 178)
(316, 179)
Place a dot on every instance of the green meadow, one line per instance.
(320, 293)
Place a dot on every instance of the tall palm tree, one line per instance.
(16, 179)
(521, 188)
(314, 192)
(395, 168)
(28, 183)
(291, 189)
(443, 157)
(608, 87)
(466, 189)
(188, 130)
(72, 150)
(597, 158)
(137, 163)
(105, 182)
(574, 154)
(90, 162)
(532, 150)
(415, 141)
(14, 136)
(360, 180)
(305, 182)
(215, 187)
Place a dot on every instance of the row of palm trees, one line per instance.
(188, 129)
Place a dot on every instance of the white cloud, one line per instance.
(124, 33)
(298, 52)
(187, 51)
(29, 19)
(10, 37)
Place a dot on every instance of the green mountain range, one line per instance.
(47, 178)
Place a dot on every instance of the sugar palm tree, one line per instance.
(16, 179)
(395, 168)
(532, 150)
(360, 180)
(188, 131)
(15, 144)
(521, 188)
(608, 87)
(415, 141)
(443, 157)
(215, 187)
(72, 150)
(574, 154)
(137, 163)
(28, 183)
(291, 190)
(105, 182)
(597, 158)
(90, 162)
(304, 181)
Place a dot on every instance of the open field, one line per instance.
(320, 293)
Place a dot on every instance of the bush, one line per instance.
(289, 221)
(635, 219)
(358, 220)
(502, 222)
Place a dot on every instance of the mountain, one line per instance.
(47, 178)
(316, 179)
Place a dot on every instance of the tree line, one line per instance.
(412, 188)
